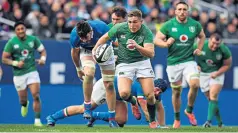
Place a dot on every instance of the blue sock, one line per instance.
(87, 106)
(101, 116)
(59, 114)
(112, 115)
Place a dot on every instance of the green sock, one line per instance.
(218, 116)
(177, 116)
(211, 109)
(37, 114)
(189, 109)
(151, 110)
(131, 100)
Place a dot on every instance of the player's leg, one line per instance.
(33, 82)
(1, 73)
(213, 109)
(21, 87)
(88, 65)
(108, 74)
(175, 78)
(191, 74)
(126, 73)
(145, 75)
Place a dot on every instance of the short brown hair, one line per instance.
(135, 13)
(119, 11)
(217, 37)
(182, 2)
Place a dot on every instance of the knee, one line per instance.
(36, 97)
(194, 86)
(124, 95)
(109, 85)
(150, 96)
(176, 93)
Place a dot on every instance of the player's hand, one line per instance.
(197, 52)
(199, 68)
(81, 75)
(40, 62)
(131, 44)
(20, 64)
(214, 75)
(170, 41)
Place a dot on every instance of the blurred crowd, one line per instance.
(46, 18)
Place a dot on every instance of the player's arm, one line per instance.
(143, 105)
(161, 113)
(41, 49)
(75, 57)
(160, 38)
(202, 38)
(6, 57)
(225, 67)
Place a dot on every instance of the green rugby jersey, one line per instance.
(184, 34)
(212, 61)
(122, 33)
(23, 50)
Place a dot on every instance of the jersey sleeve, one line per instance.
(39, 46)
(226, 51)
(164, 28)
(74, 39)
(112, 32)
(8, 47)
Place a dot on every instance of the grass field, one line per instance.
(104, 128)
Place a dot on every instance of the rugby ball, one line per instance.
(103, 53)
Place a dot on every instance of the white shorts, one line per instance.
(21, 82)
(188, 70)
(140, 69)
(206, 81)
(99, 93)
(108, 65)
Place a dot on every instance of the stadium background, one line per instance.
(60, 85)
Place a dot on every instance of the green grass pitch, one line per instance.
(105, 128)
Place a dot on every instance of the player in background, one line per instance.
(82, 39)
(134, 52)
(213, 63)
(178, 35)
(99, 98)
(19, 53)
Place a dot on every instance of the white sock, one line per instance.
(37, 120)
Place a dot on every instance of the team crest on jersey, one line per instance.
(218, 56)
(16, 46)
(31, 44)
(25, 53)
(183, 38)
(209, 62)
(192, 29)
(174, 29)
(140, 38)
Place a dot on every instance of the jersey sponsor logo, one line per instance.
(210, 62)
(16, 46)
(24, 53)
(31, 44)
(218, 56)
(192, 29)
(183, 38)
(174, 29)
